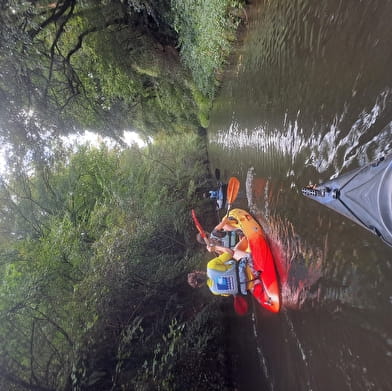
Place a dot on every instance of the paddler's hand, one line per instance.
(210, 248)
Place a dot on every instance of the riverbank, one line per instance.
(102, 274)
(151, 67)
(98, 243)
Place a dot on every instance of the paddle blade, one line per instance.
(233, 188)
(240, 305)
(199, 227)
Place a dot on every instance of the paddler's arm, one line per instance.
(221, 224)
(220, 263)
(225, 224)
(220, 250)
(242, 244)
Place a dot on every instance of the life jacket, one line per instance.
(229, 240)
(228, 282)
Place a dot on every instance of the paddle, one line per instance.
(199, 227)
(233, 188)
(240, 305)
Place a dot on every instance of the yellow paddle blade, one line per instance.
(233, 188)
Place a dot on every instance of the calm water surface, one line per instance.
(307, 97)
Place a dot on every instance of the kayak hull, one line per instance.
(221, 201)
(267, 293)
(363, 195)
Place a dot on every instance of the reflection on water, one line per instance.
(336, 148)
(298, 264)
(309, 96)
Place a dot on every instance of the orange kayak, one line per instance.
(267, 293)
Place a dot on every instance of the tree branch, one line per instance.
(57, 13)
(32, 374)
(78, 45)
(53, 323)
(54, 45)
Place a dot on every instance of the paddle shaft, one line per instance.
(233, 188)
(240, 305)
(200, 228)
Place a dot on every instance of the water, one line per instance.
(307, 97)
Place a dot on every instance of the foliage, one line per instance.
(182, 359)
(94, 253)
(205, 29)
(109, 66)
(95, 245)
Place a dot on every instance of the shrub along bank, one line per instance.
(95, 249)
(96, 245)
(109, 66)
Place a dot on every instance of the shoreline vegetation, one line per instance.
(96, 244)
(153, 67)
(95, 251)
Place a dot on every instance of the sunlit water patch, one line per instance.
(334, 147)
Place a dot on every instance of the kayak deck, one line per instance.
(363, 195)
(267, 293)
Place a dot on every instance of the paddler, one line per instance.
(224, 234)
(226, 273)
(216, 195)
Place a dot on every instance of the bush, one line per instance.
(205, 29)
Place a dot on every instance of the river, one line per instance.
(308, 96)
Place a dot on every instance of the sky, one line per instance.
(94, 139)
(87, 137)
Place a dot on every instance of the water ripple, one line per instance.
(335, 148)
(299, 265)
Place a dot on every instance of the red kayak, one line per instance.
(267, 293)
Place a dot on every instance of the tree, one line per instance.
(92, 248)
(58, 62)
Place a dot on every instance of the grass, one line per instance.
(206, 29)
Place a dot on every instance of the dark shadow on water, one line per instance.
(298, 264)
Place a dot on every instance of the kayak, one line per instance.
(221, 199)
(267, 293)
(363, 195)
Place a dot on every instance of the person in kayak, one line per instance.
(218, 195)
(224, 235)
(222, 238)
(226, 273)
(212, 194)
